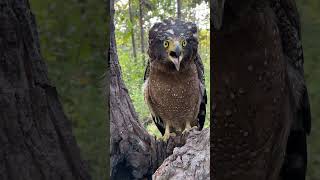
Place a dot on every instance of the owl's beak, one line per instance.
(217, 6)
(175, 55)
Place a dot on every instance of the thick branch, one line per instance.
(36, 140)
(191, 161)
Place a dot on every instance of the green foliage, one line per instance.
(133, 70)
(72, 35)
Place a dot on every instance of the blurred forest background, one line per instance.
(72, 34)
(73, 40)
(310, 22)
(133, 19)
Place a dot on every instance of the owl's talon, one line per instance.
(166, 136)
(186, 130)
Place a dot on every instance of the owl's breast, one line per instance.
(175, 97)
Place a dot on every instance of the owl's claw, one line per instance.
(186, 130)
(166, 136)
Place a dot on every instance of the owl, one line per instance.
(174, 88)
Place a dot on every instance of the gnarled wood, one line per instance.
(189, 162)
(36, 140)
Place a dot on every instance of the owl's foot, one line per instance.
(166, 136)
(187, 128)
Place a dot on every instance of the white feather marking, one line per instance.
(195, 35)
(170, 31)
(144, 85)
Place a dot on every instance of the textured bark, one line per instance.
(252, 104)
(36, 141)
(189, 162)
(107, 82)
(134, 153)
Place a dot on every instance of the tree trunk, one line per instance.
(134, 153)
(179, 9)
(252, 102)
(132, 32)
(191, 161)
(141, 30)
(36, 137)
(107, 82)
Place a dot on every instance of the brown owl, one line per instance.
(174, 78)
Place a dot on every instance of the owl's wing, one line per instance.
(202, 109)
(156, 119)
(147, 71)
(159, 123)
(290, 31)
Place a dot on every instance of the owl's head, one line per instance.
(173, 42)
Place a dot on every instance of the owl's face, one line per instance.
(173, 42)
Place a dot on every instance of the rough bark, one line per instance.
(252, 102)
(141, 29)
(189, 162)
(36, 141)
(134, 153)
(106, 86)
(132, 32)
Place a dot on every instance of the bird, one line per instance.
(174, 83)
(295, 163)
(261, 112)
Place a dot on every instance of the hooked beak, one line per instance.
(175, 56)
(217, 7)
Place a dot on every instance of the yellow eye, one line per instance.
(166, 44)
(184, 43)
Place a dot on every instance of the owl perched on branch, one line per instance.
(174, 78)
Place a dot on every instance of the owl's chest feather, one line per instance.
(177, 92)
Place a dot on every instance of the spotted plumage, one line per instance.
(174, 79)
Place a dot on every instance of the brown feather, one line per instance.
(173, 95)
